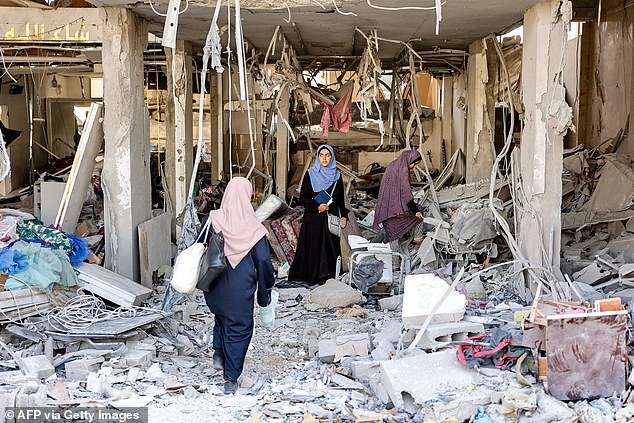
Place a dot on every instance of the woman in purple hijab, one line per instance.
(396, 211)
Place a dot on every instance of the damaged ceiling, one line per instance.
(315, 28)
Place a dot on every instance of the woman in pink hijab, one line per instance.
(249, 273)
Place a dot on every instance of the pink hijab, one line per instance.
(237, 222)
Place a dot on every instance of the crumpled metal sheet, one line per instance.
(472, 224)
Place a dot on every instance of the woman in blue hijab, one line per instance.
(321, 194)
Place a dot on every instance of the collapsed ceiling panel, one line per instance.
(317, 27)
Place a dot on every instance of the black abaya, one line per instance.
(317, 249)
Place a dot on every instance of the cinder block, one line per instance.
(357, 345)
(438, 335)
(422, 293)
(38, 366)
(363, 370)
(80, 369)
(327, 350)
(138, 358)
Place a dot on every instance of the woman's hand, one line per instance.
(322, 208)
(344, 221)
(419, 215)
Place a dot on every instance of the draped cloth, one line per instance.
(392, 212)
(337, 115)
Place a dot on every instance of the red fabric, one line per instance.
(479, 351)
(339, 115)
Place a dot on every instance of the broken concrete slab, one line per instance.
(439, 335)
(357, 345)
(593, 274)
(327, 350)
(422, 293)
(37, 366)
(80, 369)
(134, 358)
(423, 376)
(335, 294)
(391, 303)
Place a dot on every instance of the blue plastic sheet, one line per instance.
(80, 250)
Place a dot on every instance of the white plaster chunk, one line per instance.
(423, 376)
(422, 292)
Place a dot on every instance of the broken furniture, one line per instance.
(585, 350)
(383, 253)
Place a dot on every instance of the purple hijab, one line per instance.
(395, 191)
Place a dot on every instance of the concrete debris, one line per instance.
(434, 373)
(422, 292)
(38, 366)
(334, 294)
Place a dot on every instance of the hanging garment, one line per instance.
(337, 115)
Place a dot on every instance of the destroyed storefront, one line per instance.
(121, 128)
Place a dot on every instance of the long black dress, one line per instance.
(317, 249)
(231, 301)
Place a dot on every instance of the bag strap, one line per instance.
(205, 230)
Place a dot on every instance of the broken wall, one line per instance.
(18, 119)
(608, 76)
(481, 75)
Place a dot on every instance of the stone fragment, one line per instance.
(423, 376)
(335, 294)
(422, 292)
(80, 369)
(38, 366)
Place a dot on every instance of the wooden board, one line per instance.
(83, 166)
(155, 246)
(586, 355)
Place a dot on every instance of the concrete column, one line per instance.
(215, 90)
(480, 151)
(459, 121)
(447, 115)
(126, 172)
(281, 158)
(539, 234)
(179, 144)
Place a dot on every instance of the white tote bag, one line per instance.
(187, 266)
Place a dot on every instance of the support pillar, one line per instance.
(480, 152)
(126, 173)
(447, 115)
(216, 125)
(281, 158)
(541, 156)
(179, 132)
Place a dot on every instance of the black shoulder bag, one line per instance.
(214, 262)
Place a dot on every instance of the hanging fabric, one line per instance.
(337, 115)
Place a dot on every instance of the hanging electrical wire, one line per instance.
(437, 7)
(165, 14)
(4, 66)
(342, 13)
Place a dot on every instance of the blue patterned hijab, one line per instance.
(322, 177)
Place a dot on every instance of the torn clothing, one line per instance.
(231, 298)
(337, 115)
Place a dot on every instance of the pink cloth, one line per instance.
(339, 114)
(237, 222)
